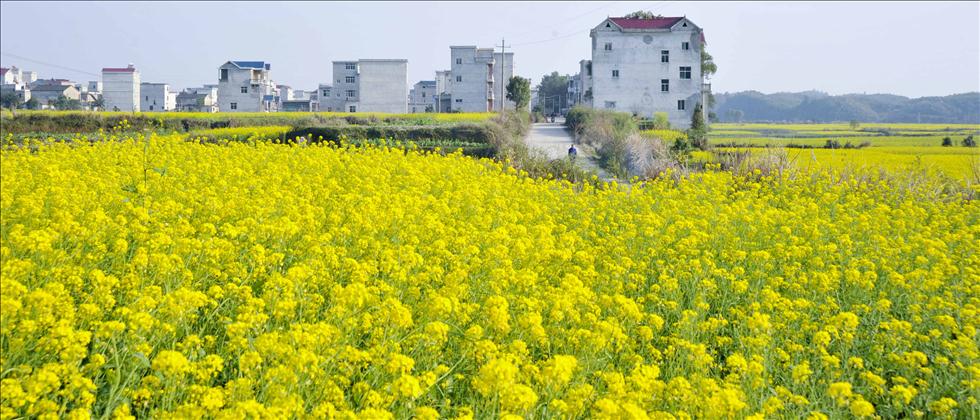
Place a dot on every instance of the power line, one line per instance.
(49, 64)
(566, 20)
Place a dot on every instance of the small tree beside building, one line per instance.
(519, 91)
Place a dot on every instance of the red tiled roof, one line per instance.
(655, 23)
(118, 70)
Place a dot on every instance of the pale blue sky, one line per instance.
(908, 48)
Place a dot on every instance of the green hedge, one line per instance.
(470, 133)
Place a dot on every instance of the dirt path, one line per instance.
(554, 139)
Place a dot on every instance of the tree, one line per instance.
(64, 103)
(519, 91)
(642, 14)
(32, 104)
(553, 85)
(99, 103)
(660, 121)
(708, 66)
(969, 142)
(698, 133)
(9, 99)
(855, 124)
(736, 115)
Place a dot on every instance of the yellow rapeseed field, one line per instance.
(168, 279)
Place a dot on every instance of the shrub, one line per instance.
(947, 142)
(969, 142)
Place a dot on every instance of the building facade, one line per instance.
(121, 89)
(246, 86)
(370, 86)
(645, 66)
(157, 97)
(476, 77)
(202, 99)
(47, 95)
(422, 97)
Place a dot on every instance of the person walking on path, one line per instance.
(572, 153)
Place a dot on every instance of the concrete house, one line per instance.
(202, 99)
(370, 86)
(157, 97)
(645, 66)
(121, 89)
(476, 79)
(422, 97)
(323, 97)
(443, 100)
(246, 86)
(49, 93)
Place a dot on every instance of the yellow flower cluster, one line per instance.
(161, 278)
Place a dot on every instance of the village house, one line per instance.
(422, 97)
(475, 78)
(47, 94)
(202, 99)
(246, 86)
(121, 89)
(370, 86)
(645, 66)
(156, 97)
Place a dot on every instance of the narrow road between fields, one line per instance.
(554, 140)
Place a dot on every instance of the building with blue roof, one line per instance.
(247, 86)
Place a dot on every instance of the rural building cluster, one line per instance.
(638, 65)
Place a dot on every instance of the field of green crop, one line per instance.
(891, 147)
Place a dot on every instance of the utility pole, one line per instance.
(503, 47)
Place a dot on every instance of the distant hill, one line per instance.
(814, 106)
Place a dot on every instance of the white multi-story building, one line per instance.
(157, 97)
(476, 78)
(645, 66)
(246, 86)
(443, 100)
(422, 97)
(323, 97)
(370, 86)
(121, 89)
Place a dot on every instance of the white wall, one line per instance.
(157, 97)
(637, 89)
(121, 90)
(383, 86)
(230, 90)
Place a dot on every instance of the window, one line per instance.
(224, 75)
(615, 73)
(664, 56)
(352, 108)
(350, 66)
(664, 85)
(459, 78)
(588, 69)
(681, 105)
(146, 98)
(459, 61)
(685, 45)
(423, 94)
(351, 93)
(685, 72)
(608, 46)
(151, 107)
(610, 104)
(234, 105)
(326, 93)
(244, 89)
(349, 79)
(459, 101)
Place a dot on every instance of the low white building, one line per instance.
(246, 86)
(645, 66)
(121, 89)
(476, 78)
(322, 96)
(202, 99)
(422, 97)
(157, 97)
(370, 86)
